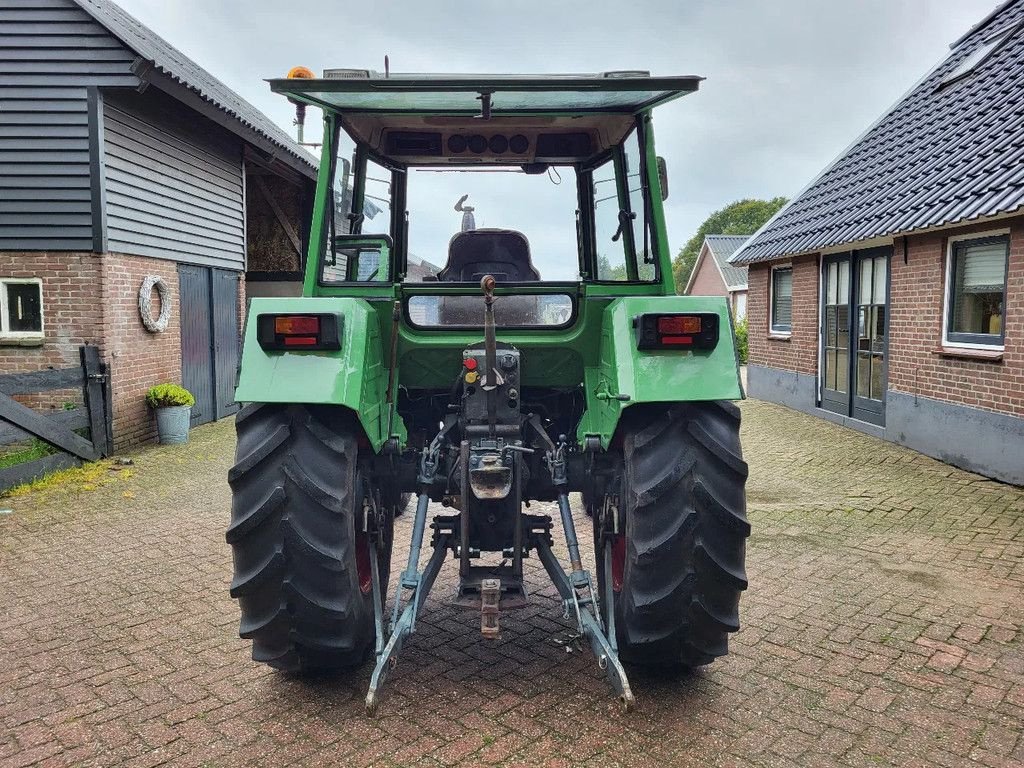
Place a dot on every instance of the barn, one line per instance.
(124, 164)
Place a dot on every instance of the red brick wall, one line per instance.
(917, 297)
(915, 333)
(93, 299)
(72, 316)
(708, 281)
(138, 359)
(798, 352)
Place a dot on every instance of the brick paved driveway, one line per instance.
(882, 626)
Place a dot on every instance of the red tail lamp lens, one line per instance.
(470, 363)
(677, 341)
(297, 325)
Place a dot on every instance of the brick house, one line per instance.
(713, 275)
(120, 159)
(889, 295)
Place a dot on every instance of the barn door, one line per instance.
(197, 340)
(225, 340)
(209, 339)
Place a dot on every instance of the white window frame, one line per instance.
(772, 331)
(947, 292)
(5, 331)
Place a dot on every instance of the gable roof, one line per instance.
(721, 247)
(949, 151)
(182, 70)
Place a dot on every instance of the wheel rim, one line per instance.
(363, 562)
(618, 561)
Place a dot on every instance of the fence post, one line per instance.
(94, 388)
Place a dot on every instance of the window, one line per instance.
(976, 291)
(343, 260)
(782, 300)
(611, 255)
(543, 207)
(974, 59)
(357, 263)
(342, 186)
(376, 200)
(554, 310)
(740, 305)
(636, 183)
(21, 308)
(619, 221)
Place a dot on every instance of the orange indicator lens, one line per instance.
(678, 325)
(295, 325)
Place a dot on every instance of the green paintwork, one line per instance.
(355, 376)
(655, 376)
(596, 352)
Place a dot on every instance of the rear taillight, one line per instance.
(691, 330)
(299, 332)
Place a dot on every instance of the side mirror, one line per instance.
(663, 178)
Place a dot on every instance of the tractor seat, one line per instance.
(503, 253)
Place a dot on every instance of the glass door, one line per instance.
(854, 334)
(872, 293)
(835, 336)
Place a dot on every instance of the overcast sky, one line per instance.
(790, 83)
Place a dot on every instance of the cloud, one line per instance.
(789, 83)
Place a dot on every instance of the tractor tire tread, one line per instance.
(686, 529)
(292, 533)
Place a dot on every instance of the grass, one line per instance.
(87, 477)
(37, 450)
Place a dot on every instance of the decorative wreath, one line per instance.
(146, 304)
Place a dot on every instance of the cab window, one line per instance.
(636, 182)
(610, 253)
(376, 200)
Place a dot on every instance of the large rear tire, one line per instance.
(680, 566)
(301, 558)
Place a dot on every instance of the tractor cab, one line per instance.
(560, 167)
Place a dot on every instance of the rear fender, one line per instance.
(354, 377)
(626, 376)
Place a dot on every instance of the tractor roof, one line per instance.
(430, 119)
(361, 90)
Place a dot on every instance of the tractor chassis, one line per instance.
(533, 532)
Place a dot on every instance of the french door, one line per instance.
(854, 333)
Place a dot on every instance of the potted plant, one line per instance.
(173, 406)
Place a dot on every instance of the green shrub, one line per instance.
(741, 340)
(163, 395)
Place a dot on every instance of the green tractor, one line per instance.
(539, 354)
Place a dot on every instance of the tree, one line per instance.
(744, 217)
